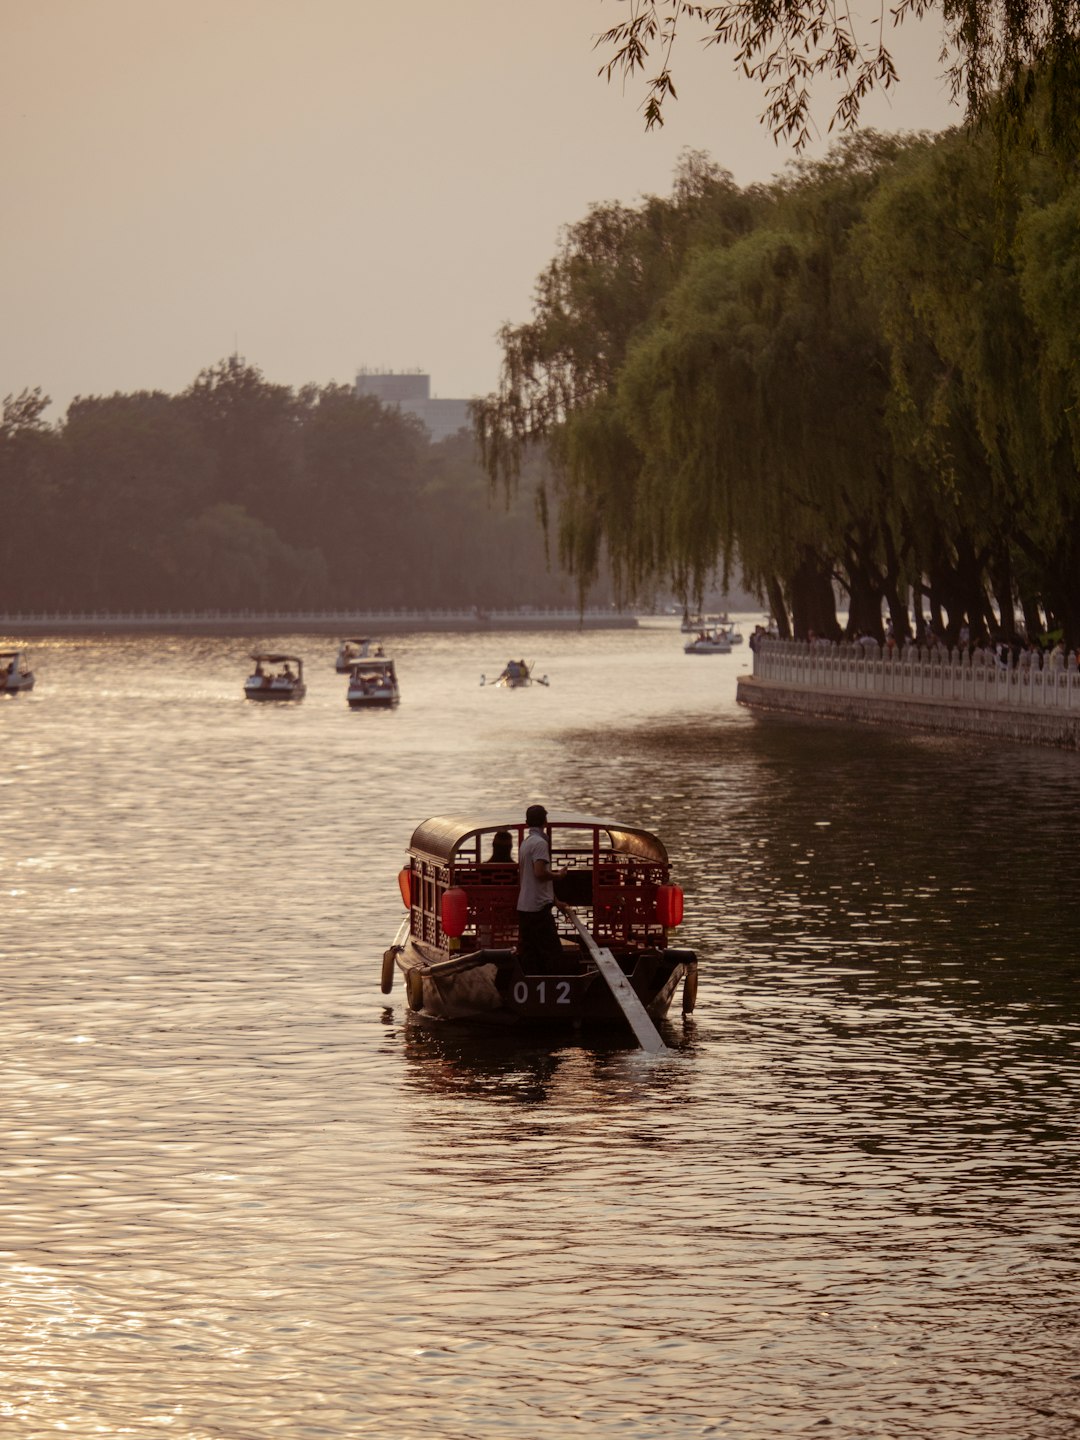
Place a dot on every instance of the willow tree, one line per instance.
(1049, 277)
(736, 419)
(701, 398)
(604, 287)
(989, 464)
(758, 407)
(840, 443)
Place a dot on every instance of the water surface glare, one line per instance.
(243, 1194)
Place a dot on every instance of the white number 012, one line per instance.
(562, 992)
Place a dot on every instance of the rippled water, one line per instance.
(244, 1195)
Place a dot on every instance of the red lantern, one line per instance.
(669, 905)
(404, 881)
(455, 912)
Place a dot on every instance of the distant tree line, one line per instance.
(863, 378)
(239, 493)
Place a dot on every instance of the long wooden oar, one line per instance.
(626, 997)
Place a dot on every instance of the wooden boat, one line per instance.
(268, 684)
(457, 947)
(372, 682)
(15, 673)
(514, 675)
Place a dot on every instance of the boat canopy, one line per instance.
(443, 836)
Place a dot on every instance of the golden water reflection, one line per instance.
(244, 1194)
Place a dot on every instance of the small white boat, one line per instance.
(709, 642)
(15, 673)
(515, 674)
(372, 682)
(268, 683)
(351, 650)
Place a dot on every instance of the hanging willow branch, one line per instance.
(987, 47)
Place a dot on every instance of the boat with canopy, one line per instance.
(352, 650)
(372, 683)
(15, 673)
(457, 948)
(269, 683)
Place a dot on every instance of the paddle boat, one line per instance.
(351, 650)
(373, 682)
(457, 946)
(267, 683)
(691, 624)
(709, 642)
(514, 675)
(15, 673)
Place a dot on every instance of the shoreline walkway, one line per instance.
(315, 622)
(938, 691)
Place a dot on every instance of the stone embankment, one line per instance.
(313, 622)
(1035, 701)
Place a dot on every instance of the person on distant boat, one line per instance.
(539, 946)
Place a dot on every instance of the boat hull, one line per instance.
(16, 684)
(490, 986)
(275, 692)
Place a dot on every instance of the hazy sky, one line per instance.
(327, 184)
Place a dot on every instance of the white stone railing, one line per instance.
(975, 678)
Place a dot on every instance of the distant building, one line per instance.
(410, 390)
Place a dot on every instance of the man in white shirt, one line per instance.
(539, 946)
